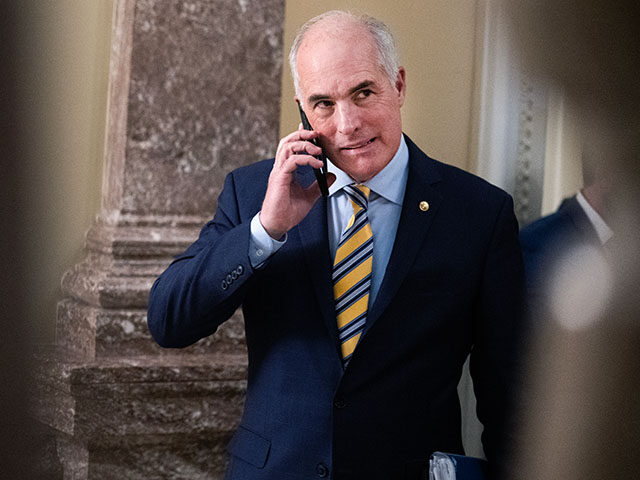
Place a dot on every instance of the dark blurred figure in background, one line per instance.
(24, 451)
(581, 222)
(14, 432)
(581, 417)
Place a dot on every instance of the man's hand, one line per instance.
(287, 203)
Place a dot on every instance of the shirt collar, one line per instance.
(385, 183)
(601, 227)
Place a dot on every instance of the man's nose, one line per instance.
(347, 118)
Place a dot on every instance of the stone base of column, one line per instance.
(115, 404)
(167, 416)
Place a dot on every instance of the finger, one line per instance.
(301, 147)
(314, 189)
(297, 136)
(294, 144)
(292, 162)
(300, 134)
(313, 192)
(289, 149)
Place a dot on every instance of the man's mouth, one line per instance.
(359, 145)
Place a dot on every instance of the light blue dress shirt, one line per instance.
(385, 206)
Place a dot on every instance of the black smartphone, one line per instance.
(320, 173)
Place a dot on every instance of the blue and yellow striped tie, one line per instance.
(352, 273)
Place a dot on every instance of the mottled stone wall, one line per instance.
(204, 99)
(194, 92)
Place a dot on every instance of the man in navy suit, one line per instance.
(441, 277)
(579, 226)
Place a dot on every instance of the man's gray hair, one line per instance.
(387, 53)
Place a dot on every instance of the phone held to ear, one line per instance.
(320, 173)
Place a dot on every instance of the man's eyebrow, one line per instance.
(361, 85)
(317, 97)
(323, 96)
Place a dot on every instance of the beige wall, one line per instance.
(436, 42)
(65, 64)
(563, 164)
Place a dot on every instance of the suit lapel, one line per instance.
(413, 226)
(314, 238)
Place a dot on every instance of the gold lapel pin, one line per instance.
(424, 206)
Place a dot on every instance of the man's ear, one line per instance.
(401, 85)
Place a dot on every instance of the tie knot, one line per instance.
(358, 193)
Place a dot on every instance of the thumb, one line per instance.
(313, 191)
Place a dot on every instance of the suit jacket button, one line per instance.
(229, 279)
(234, 275)
(322, 470)
(339, 403)
(224, 285)
(240, 269)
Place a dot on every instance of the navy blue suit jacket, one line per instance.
(452, 286)
(544, 242)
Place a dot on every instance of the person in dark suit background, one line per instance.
(580, 222)
(360, 308)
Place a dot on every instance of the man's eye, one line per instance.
(364, 93)
(323, 104)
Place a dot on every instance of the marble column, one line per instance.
(194, 92)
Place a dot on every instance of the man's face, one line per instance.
(349, 100)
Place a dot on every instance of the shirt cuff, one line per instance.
(261, 245)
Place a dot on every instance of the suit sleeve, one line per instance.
(495, 354)
(204, 286)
